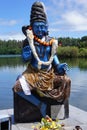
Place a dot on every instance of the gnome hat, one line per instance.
(38, 13)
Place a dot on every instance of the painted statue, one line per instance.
(44, 72)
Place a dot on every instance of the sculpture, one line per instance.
(44, 73)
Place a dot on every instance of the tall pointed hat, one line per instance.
(38, 13)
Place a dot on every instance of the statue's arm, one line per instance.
(60, 68)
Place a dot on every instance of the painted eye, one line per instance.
(42, 26)
(36, 27)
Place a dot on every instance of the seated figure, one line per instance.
(44, 72)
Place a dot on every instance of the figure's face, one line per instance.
(40, 29)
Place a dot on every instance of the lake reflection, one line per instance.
(11, 67)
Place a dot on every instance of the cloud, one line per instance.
(75, 20)
(53, 29)
(7, 22)
(69, 15)
(11, 36)
(64, 16)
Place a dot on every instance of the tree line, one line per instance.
(10, 47)
(77, 42)
(69, 47)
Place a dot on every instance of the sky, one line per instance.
(66, 18)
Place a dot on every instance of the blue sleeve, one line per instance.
(26, 53)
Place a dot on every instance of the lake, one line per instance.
(12, 66)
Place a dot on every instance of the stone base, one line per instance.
(25, 111)
(57, 111)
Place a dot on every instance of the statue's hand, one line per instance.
(26, 53)
(29, 34)
(62, 68)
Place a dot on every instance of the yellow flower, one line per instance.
(33, 127)
(48, 124)
(59, 125)
(53, 124)
(43, 128)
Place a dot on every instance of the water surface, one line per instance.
(11, 67)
